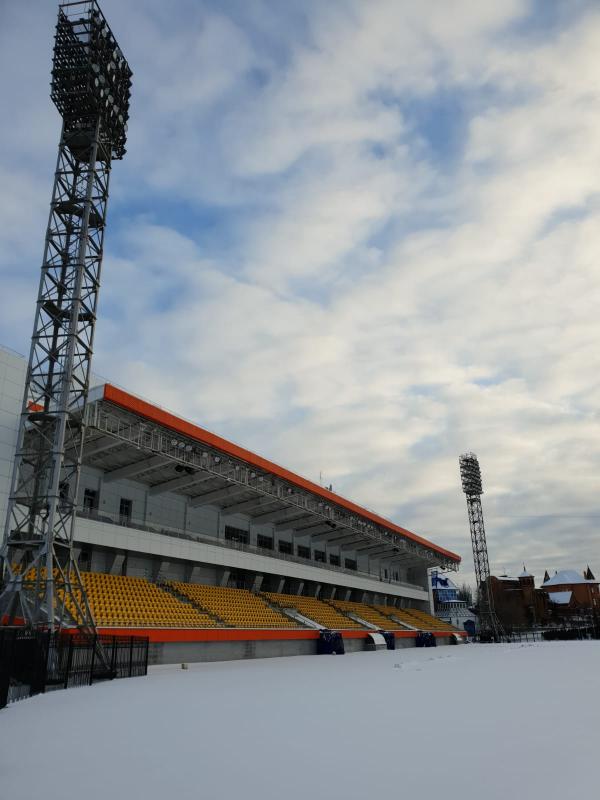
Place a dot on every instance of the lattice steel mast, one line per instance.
(470, 475)
(91, 83)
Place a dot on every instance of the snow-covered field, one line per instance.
(473, 721)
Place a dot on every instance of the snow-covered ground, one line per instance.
(473, 721)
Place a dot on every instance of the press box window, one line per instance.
(303, 552)
(266, 542)
(350, 563)
(90, 500)
(236, 534)
(334, 560)
(125, 507)
(320, 556)
(286, 547)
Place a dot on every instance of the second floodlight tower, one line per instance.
(470, 474)
(91, 82)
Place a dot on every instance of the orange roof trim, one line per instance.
(134, 404)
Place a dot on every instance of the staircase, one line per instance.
(183, 599)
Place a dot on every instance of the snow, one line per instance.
(361, 725)
(525, 574)
(566, 576)
(560, 598)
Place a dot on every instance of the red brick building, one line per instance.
(571, 593)
(566, 594)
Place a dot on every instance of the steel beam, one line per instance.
(292, 524)
(311, 530)
(245, 505)
(179, 483)
(277, 515)
(379, 553)
(348, 537)
(100, 445)
(209, 498)
(136, 468)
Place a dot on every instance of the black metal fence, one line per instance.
(588, 630)
(33, 661)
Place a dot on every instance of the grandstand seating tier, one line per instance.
(368, 613)
(125, 601)
(416, 618)
(238, 608)
(316, 610)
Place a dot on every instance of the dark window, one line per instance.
(63, 495)
(350, 563)
(286, 547)
(303, 552)
(90, 500)
(265, 542)
(320, 556)
(385, 574)
(125, 507)
(237, 580)
(335, 560)
(236, 534)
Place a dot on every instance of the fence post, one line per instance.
(5, 662)
(113, 658)
(146, 656)
(69, 662)
(94, 640)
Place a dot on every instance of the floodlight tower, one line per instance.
(90, 87)
(470, 475)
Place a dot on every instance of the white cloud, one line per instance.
(291, 262)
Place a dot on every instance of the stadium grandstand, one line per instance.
(214, 552)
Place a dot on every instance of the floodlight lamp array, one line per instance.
(90, 76)
(470, 474)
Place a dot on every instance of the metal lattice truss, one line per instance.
(472, 486)
(125, 445)
(40, 579)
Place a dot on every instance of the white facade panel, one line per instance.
(167, 547)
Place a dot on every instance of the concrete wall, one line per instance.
(139, 543)
(193, 652)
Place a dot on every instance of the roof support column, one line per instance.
(225, 577)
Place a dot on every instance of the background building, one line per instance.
(567, 594)
(570, 593)
(448, 606)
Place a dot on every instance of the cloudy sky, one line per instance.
(357, 237)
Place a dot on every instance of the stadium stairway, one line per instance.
(316, 610)
(238, 608)
(366, 613)
(167, 587)
(416, 619)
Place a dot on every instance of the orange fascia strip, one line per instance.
(144, 409)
